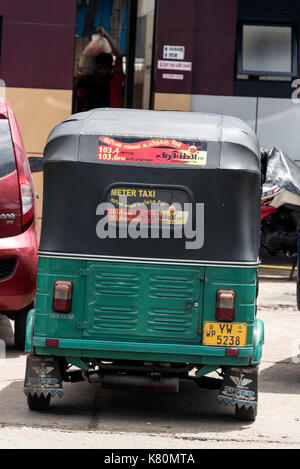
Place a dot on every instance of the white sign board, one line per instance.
(172, 65)
(173, 52)
(173, 76)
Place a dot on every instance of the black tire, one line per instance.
(20, 327)
(248, 414)
(40, 403)
(298, 296)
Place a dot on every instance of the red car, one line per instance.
(18, 230)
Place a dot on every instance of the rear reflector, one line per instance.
(51, 343)
(225, 305)
(62, 297)
(232, 352)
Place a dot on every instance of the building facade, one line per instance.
(36, 64)
(236, 57)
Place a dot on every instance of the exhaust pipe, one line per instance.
(136, 382)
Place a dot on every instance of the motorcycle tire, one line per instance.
(298, 296)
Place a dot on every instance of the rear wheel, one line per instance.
(40, 403)
(298, 295)
(248, 414)
(20, 327)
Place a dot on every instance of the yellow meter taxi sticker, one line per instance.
(149, 205)
(225, 334)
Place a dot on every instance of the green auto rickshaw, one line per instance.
(148, 256)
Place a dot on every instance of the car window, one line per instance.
(7, 156)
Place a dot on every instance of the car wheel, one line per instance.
(40, 403)
(248, 414)
(20, 327)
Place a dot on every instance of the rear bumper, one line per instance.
(146, 350)
(18, 290)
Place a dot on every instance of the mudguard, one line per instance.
(29, 331)
(258, 341)
(239, 387)
(43, 376)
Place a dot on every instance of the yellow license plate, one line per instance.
(225, 334)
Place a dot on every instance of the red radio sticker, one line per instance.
(156, 150)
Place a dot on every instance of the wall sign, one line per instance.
(173, 76)
(173, 52)
(173, 65)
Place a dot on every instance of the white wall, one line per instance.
(244, 108)
(276, 121)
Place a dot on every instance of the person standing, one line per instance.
(103, 87)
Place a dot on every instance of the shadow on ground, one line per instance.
(281, 377)
(86, 407)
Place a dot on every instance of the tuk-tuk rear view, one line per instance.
(148, 256)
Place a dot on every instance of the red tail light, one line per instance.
(225, 305)
(26, 184)
(51, 343)
(62, 297)
(26, 200)
(232, 352)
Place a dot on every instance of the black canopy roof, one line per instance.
(225, 179)
(238, 147)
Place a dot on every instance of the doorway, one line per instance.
(130, 24)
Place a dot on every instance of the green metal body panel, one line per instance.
(136, 311)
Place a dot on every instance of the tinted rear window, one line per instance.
(148, 205)
(7, 156)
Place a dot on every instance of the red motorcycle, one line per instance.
(280, 215)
